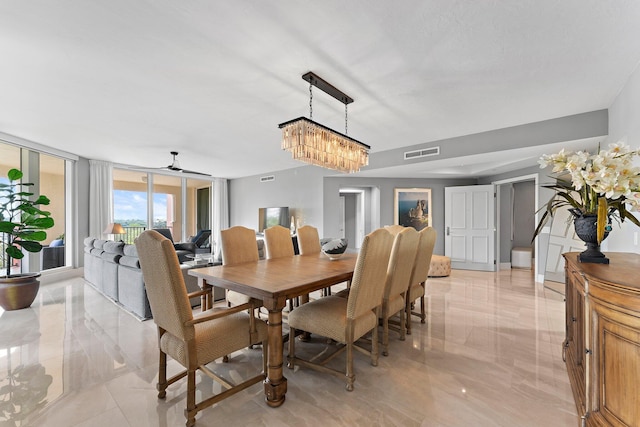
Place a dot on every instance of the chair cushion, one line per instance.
(88, 241)
(328, 317)
(216, 338)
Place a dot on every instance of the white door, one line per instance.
(562, 238)
(470, 227)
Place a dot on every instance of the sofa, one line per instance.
(113, 269)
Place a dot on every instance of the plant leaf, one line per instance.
(30, 246)
(14, 175)
(14, 252)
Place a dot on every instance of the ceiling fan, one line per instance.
(175, 166)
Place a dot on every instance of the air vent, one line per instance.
(267, 178)
(425, 152)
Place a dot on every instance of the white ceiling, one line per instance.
(128, 81)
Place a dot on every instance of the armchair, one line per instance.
(193, 341)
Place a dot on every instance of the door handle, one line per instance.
(448, 231)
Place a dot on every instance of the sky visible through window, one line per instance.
(131, 206)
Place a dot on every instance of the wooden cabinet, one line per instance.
(602, 345)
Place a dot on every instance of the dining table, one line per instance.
(274, 281)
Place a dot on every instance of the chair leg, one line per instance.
(407, 313)
(423, 314)
(162, 376)
(402, 325)
(351, 378)
(191, 410)
(374, 347)
(385, 334)
(292, 348)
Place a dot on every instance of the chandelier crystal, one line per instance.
(316, 144)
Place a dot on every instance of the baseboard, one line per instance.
(505, 266)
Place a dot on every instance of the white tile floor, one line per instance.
(489, 355)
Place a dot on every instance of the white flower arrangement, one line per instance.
(605, 184)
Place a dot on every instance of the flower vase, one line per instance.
(586, 227)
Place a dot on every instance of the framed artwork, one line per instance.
(412, 207)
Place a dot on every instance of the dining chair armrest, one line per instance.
(199, 293)
(217, 313)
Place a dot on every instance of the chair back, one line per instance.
(401, 261)
(164, 284)
(278, 243)
(165, 232)
(423, 256)
(394, 229)
(308, 240)
(369, 276)
(238, 245)
(201, 238)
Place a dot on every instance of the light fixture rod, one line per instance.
(327, 87)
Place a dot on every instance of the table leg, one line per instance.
(206, 300)
(275, 385)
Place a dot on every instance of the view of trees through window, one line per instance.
(131, 207)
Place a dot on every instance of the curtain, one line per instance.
(220, 211)
(100, 197)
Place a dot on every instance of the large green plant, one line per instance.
(22, 223)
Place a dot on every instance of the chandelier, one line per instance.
(313, 143)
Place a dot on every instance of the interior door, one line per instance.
(470, 227)
(562, 238)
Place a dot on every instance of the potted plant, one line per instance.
(602, 187)
(22, 225)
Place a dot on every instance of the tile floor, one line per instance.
(489, 355)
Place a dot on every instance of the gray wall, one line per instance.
(300, 189)
(523, 213)
(505, 223)
(625, 126)
(314, 198)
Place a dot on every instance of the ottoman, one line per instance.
(440, 266)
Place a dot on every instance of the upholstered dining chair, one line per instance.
(345, 320)
(309, 244)
(277, 242)
(417, 287)
(191, 341)
(401, 261)
(238, 246)
(308, 240)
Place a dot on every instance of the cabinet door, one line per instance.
(616, 368)
(575, 342)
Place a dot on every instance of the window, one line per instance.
(183, 205)
(48, 174)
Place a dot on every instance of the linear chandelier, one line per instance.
(313, 143)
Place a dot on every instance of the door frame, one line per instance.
(532, 177)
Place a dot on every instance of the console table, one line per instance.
(602, 344)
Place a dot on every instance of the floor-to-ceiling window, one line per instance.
(48, 174)
(130, 202)
(145, 200)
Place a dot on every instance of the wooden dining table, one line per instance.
(274, 281)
